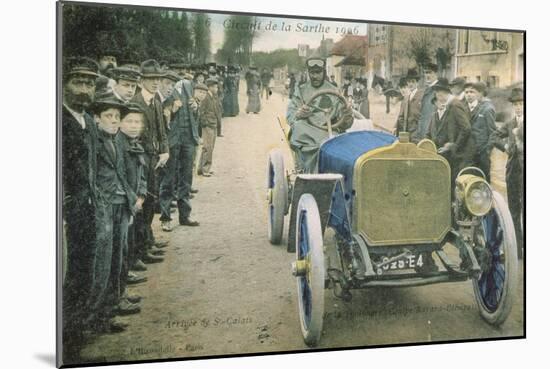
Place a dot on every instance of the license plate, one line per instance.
(410, 262)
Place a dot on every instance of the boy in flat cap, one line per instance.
(209, 115)
(112, 221)
(510, 138)
(482, 120)
(127, 141)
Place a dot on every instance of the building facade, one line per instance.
(347, 57)
(496, 58)
(393, 49)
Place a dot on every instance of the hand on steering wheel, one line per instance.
(346, 114)
(304, 112)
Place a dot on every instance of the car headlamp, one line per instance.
(476, 194)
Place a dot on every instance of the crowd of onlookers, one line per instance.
(133, 138)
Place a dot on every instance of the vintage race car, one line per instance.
(391, 207)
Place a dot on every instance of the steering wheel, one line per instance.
(328, 110)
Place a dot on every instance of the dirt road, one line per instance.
(224, 289)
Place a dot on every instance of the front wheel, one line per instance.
(495, 288)
(277, 196)
(309, 269)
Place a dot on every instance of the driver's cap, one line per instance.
(316, 64)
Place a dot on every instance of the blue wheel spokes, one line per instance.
(491, 283)
(303, 251)
(271, 177)
(271, 185)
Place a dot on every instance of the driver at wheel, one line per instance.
(308, 123)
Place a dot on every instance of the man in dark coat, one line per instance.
(427, 107)
(266, 78)
(411, 105)
(363, 103)
(346, 86)
(292, 85)
(482, 115)
(253, 91)
(209, 115)
(357, 93)
(450, 129)
(230, 97)
(154, 141)
(510, 138)
(80, 197)
(183, 137)
(457, 86)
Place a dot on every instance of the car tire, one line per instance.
(495, 288)
(277, 196)
(311, 285)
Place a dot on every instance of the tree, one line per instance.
(132, 34)
(415, 46)
(278, 59)
(237, 41)
(201, 37)
(420, 46)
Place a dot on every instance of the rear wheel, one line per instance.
(277, 196)
(309, 269)
(495, 288)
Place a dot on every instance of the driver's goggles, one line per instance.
(316, 63)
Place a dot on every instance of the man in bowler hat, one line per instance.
(510, 138)
(427, 107)
(411, 105)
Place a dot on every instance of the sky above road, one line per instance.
(275, 33)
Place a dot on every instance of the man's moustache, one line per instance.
(83, 100)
